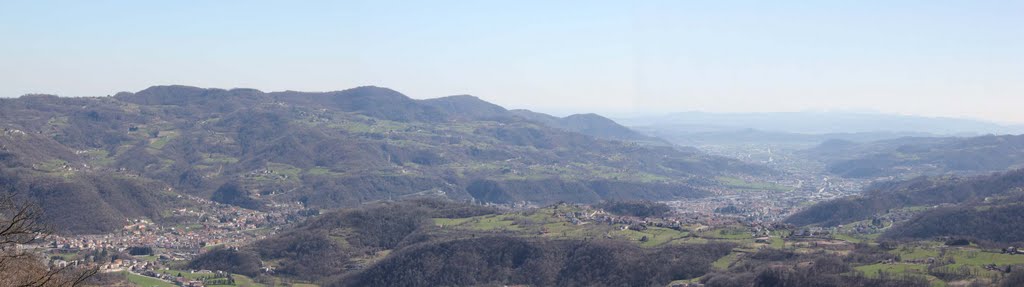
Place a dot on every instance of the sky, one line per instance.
(931, 57)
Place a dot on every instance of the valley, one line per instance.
(210, 187)
(511, 143)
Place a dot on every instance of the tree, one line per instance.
(21, 223)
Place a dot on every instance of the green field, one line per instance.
(145, 281)
(724, 262)
(873, 269)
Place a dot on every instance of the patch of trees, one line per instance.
(513, 260)
(958, 242)
(439, 208)
(228, 260)
(864, 253)
(636, 208)
(21, 223)
(140, 250)
(1016, 278)
(839, 211)
(305, 254)
(235, 194)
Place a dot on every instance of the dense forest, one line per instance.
(510, 260)
(229, 260)
(90, 202)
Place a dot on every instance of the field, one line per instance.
(240, 280)
(145, 281)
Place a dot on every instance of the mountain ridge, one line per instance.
(335, 149)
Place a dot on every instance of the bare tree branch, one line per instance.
(21, 223)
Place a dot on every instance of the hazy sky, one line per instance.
(932, 57)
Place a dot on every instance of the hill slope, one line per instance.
(986, 222)
(883, 197)
(589, 124)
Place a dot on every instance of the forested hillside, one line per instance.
(924, 191)
(999, 224)
(326, 150)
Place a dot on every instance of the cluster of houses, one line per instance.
(207, 223)
(597, 216)
(214, 224)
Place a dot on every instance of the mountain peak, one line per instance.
(370, 91)
(172, 89)
(470, 107)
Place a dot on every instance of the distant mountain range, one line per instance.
(821, 123)
(700, 136)
(330, 149)
(913, 156)
(590, 124)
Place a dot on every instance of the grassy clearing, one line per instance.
(217, 159)
(160, 141)
(724, 262)
(145, 281)
(244, 281)
(53, 165)
(656, 236)
(980, 258)
(284, 169)
(873, 269)
(728, 233)
(849, 238)
(911, 253)
(322, 171)
(148, 258)
(485, 223)
(186, 274)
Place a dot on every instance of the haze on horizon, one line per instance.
(932, 58)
